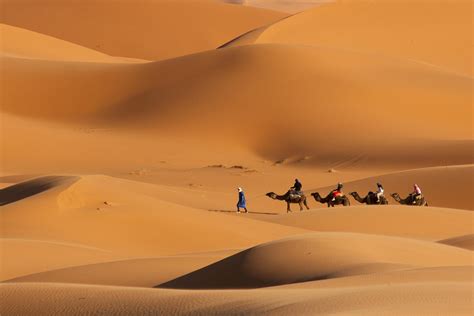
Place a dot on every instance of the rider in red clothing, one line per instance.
(337, 192)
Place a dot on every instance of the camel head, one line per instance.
(396, 197)
(316, 196)
(353, 194)
(271, 195)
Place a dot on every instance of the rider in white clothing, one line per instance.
(379, 192)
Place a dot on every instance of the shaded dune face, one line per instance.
(316, 257)
(465, 241)
(29, 188)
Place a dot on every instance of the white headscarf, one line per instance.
(240, 189)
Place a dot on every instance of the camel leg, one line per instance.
(306, 204)
(288, 209)
(301, 205)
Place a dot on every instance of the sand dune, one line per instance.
(143, 95)
(145, 272)
(466, 241)
(25, 256)
(421, 223)
(149, 30)
(395, 277)
(18, 42)
(319, 256)
(445, 298)
(29, 188)
(434, 32)
(291, 6)
(448, 186)
(127, 126)
(136, 222)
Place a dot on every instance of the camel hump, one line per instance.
(295, 196)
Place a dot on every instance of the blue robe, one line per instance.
(242, 202)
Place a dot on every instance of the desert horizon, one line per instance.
(221, 157)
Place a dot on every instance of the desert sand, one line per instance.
(127, 127)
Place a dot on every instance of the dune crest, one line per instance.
(434, 32)
(318, 256)
(150, 30)
(22, 43)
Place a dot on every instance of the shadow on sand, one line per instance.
(229, 211)
(32, 187)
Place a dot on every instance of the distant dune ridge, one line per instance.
(291, 6)
(127, 127)
(434, 32)
(149, 30)
(21, 43)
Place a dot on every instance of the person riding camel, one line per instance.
(337, 192)
(416, 193)
(296, 188)
(379, 192)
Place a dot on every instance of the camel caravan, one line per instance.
(295, 195)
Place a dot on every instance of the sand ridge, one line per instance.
(150, 30)
(375, 26)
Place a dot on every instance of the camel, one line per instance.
(329, 200)
(289, 198)
(409, 200)
(370, 198)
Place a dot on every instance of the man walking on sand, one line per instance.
(241, 203)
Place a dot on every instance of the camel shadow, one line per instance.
(32, 187)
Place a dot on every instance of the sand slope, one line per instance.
(443, 297)
(23, 43)
(447, 291)
(448, 186)
(319, 256)
(126, 219)
(21, 256)
(149, 30)
(412, 222)
(139, 95)
(144, 272)
(292, 6)
(435, 32)
(466, 241)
